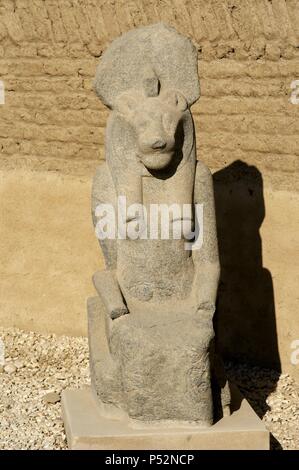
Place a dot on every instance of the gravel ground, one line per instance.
(38, 367)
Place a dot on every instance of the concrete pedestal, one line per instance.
(87, 429)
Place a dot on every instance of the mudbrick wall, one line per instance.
(51, 139)
(248, 57)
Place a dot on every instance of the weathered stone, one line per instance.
(171, 55)
(158, 293)
(19, 364)
(88, 429)
(51, 398)
(10, 368)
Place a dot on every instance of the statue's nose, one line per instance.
(159, 144)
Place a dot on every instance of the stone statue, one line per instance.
(157, 295)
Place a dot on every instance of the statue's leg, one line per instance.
(164, 364)
(109, 305)
(103, 368)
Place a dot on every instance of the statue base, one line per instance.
(87, 429)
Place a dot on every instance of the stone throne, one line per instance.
(151, 338)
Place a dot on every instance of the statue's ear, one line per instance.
(126, 103)
(175, 98)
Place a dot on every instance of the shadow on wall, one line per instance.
(245, 318)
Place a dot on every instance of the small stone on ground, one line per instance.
(51, 397)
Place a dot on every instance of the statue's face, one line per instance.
(155, 121)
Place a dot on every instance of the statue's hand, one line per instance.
(118, 312)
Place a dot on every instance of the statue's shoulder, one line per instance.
(101, 171)
(102, 186)
(202, 172)
(203, 184)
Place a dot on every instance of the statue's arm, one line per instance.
(108, 289)
(103, 193)
(206, 258)
(105, 281)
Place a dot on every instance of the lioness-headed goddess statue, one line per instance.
(157, 295)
